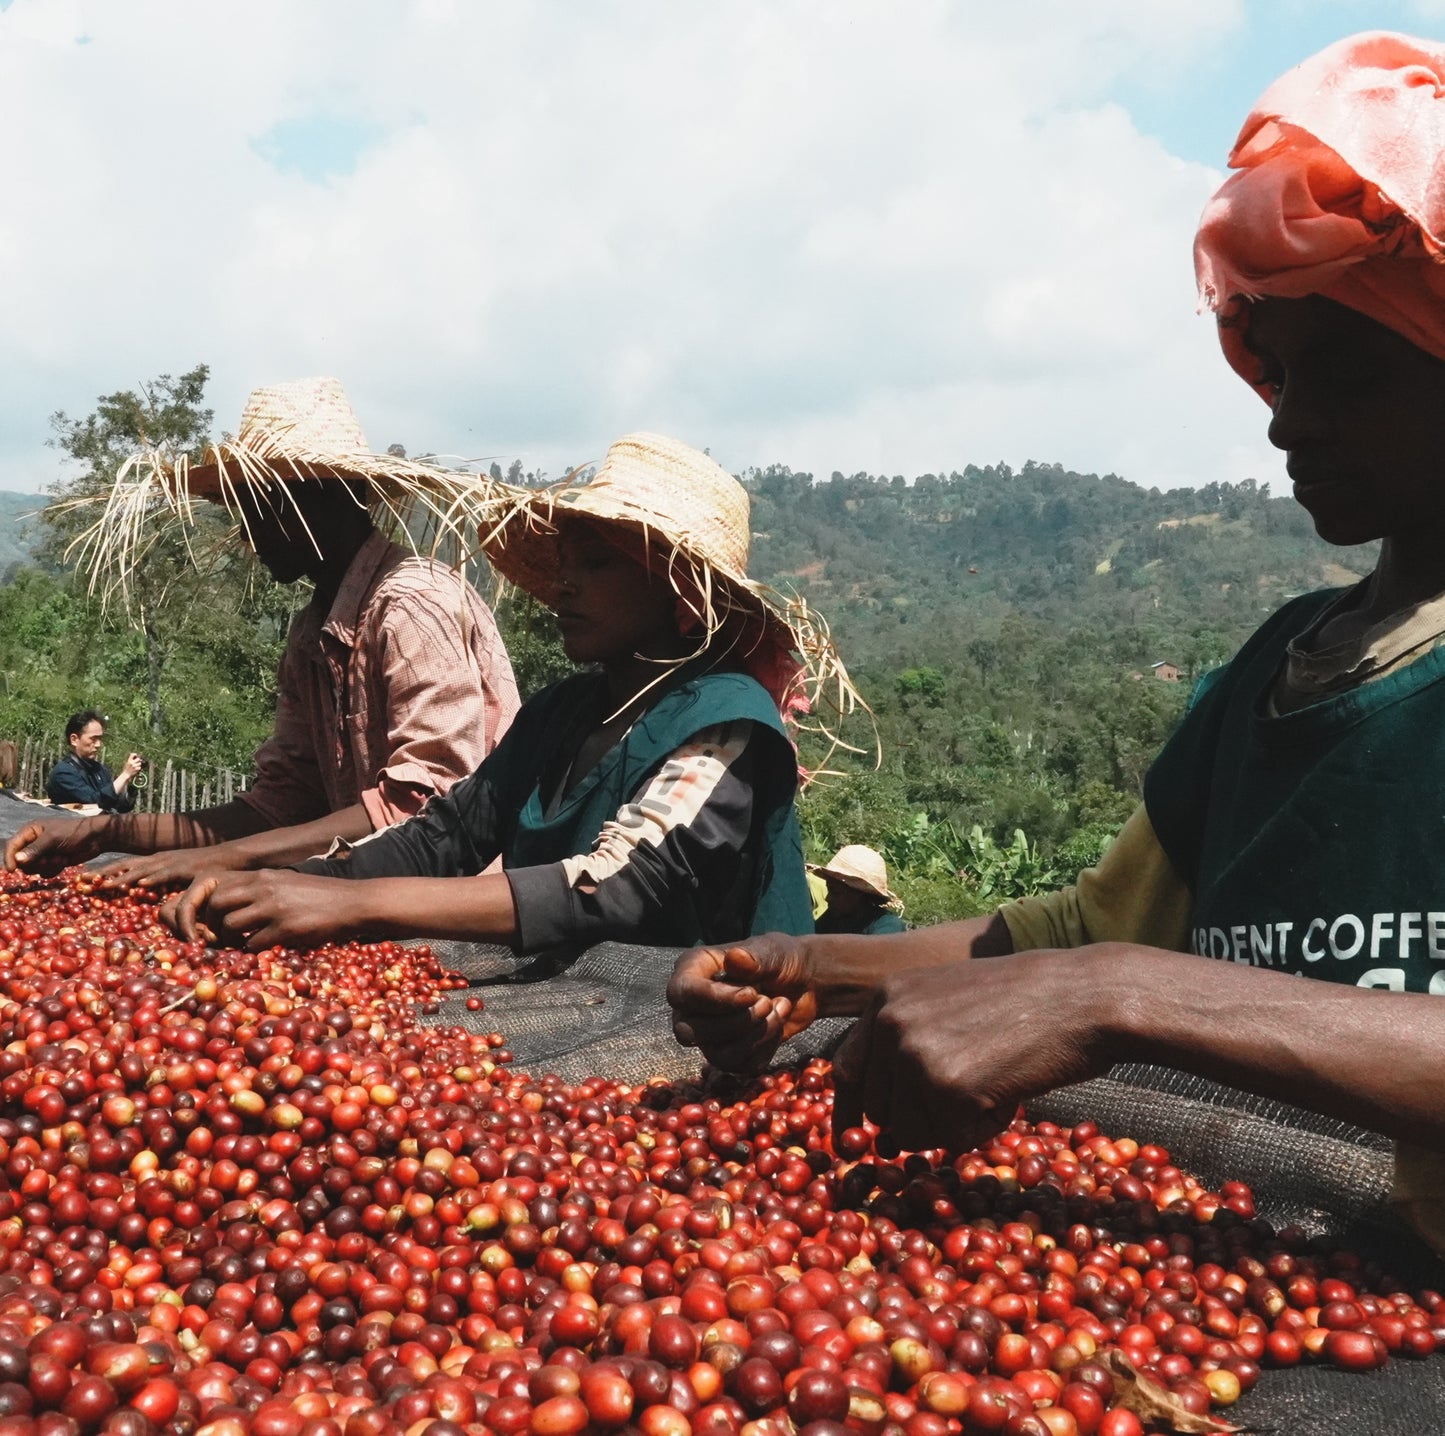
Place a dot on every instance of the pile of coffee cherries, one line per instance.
(256, 1193)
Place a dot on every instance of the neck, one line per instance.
(628, 677)
(339, 552)
(1411, 569)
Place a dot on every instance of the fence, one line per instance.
(167, 788)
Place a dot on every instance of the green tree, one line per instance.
(208, 619)
(164, 415)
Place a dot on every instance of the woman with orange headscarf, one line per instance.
(1295, 823)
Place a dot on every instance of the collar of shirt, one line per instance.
(362, 574)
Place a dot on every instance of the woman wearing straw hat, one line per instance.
(855, 893)
(394, 683)
(648, 800)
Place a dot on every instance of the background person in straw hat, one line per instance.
(856, 897)
(648, 800)
(394, 682)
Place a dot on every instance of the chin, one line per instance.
(1343, 525)
(1346, 533)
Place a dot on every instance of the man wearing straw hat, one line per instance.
(394, 683)
(855, 893)
(649, 800)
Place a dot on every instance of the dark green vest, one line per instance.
(776, 896)
(1314, 842)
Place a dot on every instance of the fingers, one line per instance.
(17, 850)
(874, 1076)
(186, 910)
(740, 965)
(710, 981)
(123, 873)
(710, 1032)
(741, 1041)
(849, 1063)
(149, 872)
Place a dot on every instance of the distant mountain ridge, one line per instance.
(905, 572)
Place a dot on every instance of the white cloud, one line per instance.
(833, 235)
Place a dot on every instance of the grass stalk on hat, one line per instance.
(155, 493)
(821, 682)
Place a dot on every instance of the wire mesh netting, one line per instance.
(605, 1013)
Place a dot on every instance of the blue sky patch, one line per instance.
(1196, 109)
(317, 147)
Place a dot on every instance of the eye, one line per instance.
(1269, 375)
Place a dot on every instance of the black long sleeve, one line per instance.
(674, 864)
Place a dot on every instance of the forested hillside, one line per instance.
(912, 572)
(1001, 625)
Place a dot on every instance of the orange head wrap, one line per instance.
(1340, 193)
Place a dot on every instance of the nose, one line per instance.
(1299, 417)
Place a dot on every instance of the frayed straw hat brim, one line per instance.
(693, 517)
(305, 430)
(522, 548)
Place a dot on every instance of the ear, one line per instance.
(689, 625)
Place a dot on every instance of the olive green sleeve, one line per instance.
(1133, 895)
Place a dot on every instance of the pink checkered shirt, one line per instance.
(395, 693)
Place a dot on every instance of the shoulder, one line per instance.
(714, 698)
(412, 583)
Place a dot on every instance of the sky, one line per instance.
(893, 237)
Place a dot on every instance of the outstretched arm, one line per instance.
(279, 906)
(269, 848)
(944, 1055)
(49, 845)
(738, 1003)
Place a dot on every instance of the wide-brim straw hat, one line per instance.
(306, 429)
(694, 518)
(860, 867)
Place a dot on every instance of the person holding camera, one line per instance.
(81, 778)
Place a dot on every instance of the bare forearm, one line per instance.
(477, 909)
(160, 832)
(280, 847)
(1373, 1058)
(846, 972)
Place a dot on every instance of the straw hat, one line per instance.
(860, 867)
(302, 430)
(666, 489)
(688, 508)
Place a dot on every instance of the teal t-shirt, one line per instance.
(776, 897)
(1312, 842)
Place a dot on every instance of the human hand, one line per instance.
(47, 847)
(738, 1003)
(174, 869)
(946, 1054)
(271, 908)
(133, 764)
